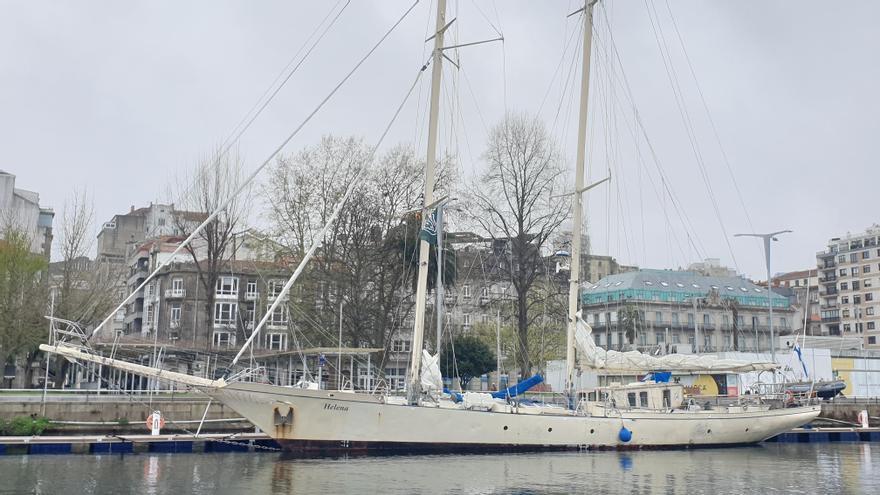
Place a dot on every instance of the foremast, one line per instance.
(414, 388)
(577, 207)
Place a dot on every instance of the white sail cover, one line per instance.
(432, 380)
(591, 356)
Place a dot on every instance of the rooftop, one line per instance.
(676, 286)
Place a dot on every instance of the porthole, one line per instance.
(747, 429)
(708, 431)
(549, 430)
(592, 431)
(505, 427)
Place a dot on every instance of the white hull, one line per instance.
(330, 420)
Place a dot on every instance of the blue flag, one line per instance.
(797, 349)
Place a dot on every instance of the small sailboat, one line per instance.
(653, 413)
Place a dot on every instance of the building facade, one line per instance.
(848, 277)
(669, 311)
(20, 209)
(802, 287)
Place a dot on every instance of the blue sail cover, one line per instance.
(519, 388)
(513, 391)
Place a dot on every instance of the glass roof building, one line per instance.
(665, 311)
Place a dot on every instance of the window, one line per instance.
(675, 318)
(844, 286)
(725, 321)
(872, 340)
(727, 340)
(871, 325)
(844, 299)
(224, 339)
(643, 399)
(866, 255)
(854, 271)
(177, 285)
(690, 319)
(676, 338)
(279, 316)
(845, 313)
(740, 321)
(251, 289)
(631, 398)
(597, 337)
(466, 290)
(841, 259)
(276, 341)
(869, 296)
(150, 311)
(227, 286)
(857, 299)
(866, 283)
(853, 257)
(707, 340)
(466, 319)
(400, 345)
(855, 285)
(660, 337)
(643, 339)
(658, 317)
(225, 313)
(274, 287)
(705, 320)
(866, 269)
(174, 318)
(847, 327)
(869, 311)
(485, 319)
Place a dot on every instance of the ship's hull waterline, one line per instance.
(327, 422)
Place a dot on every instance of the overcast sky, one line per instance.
(119, 97)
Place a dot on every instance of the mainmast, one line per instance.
(424, 247)
(577, 203)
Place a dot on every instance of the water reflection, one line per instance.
(784, 468)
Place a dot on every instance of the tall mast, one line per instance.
(422, 286)
(577, 207)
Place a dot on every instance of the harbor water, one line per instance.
(768, 468)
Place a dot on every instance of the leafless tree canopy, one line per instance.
(361, 261)
(215, 180)
(512, 204)
(83, 293)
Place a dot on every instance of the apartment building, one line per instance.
(683, 311)
(849, 280)
(802, 288)
(20, 209)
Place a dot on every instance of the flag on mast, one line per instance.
(429, 231)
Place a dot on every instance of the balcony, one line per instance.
(828, 278)
(272, 297)
(251, 296)
(175, 293)
(174, 324)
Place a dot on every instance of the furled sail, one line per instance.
(591, 356)
(432, 380)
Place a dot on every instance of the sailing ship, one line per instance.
(653, 413)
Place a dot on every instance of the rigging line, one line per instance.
(256, 171)
(317, 241)
(686, 119)
(691, 233)
(711, 121)
(230, 140)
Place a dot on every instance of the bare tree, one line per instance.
(365, 258)
(82, 292)
(216, 178)
(511, 203)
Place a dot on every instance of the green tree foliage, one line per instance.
(22, 298)
(469, 356)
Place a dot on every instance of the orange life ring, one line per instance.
(150, 422)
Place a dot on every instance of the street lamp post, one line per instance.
(767, 238)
